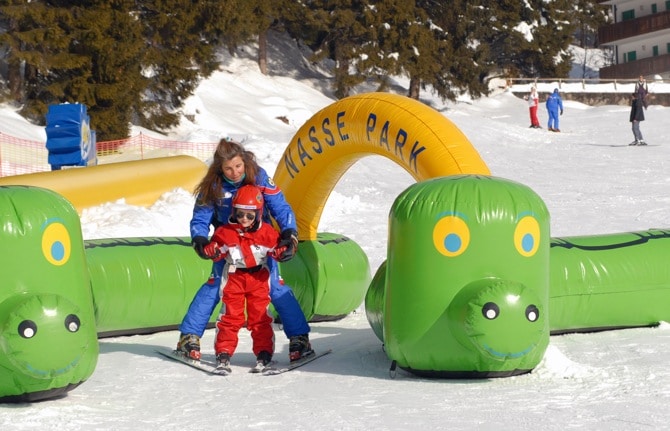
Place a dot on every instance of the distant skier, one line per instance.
(533, 103)
(554, 109)
(636, 115)
(642, 90)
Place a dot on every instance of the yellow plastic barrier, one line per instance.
(140, 182)
(418, 138)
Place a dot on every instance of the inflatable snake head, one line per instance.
(48, 340)
(467, 278)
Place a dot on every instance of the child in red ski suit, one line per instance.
(246, 243)
(533, 102)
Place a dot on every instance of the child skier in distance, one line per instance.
(533, 103)
(245, 243)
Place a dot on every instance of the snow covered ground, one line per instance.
(591, 181)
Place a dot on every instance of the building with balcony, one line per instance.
(639, 39)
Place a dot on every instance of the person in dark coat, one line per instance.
(636, 115)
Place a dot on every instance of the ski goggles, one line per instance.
(249, 216)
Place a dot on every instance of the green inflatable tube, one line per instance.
(143, 285)
(609, 281)
(329, 276)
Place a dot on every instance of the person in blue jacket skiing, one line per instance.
(554, 106)
(232, 167)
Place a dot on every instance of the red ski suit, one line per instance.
(533, 103)
(245, 278)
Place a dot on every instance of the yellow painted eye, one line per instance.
(527, 236)
(451, 236)
(56, 245)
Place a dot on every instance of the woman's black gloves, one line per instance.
(199, 243)
(288, 239)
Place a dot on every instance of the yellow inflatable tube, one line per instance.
(418, 138)
(140, 182)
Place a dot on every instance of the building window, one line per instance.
(654, 50)
(628, 14)
(629, 56)
(667, 4)
(667, 48)
(654, 9)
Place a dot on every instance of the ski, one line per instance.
(211, 368)
(259, 368)
(632, 144)
(273, 371)
(202, 365)
(221, 370)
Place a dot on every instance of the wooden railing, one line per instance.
(634, 27)
(645, 66)
(586, 83)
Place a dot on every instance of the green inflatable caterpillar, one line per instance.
(465, 288)
(60, 293)
(473, 285)
(47, 325)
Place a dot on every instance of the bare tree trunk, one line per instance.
(263, 52)
(342, 86)
(414, 88)
(14, 78)
(14, 81)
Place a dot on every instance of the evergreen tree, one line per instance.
(180, 51)
(333, 29)
(112, 82)
(463, 61)
(131, 60)
(590, 15)
(226, 23)
(125, 60)
(251, 19)
(258, 16)
(36, 43)
(77, 52)
(425, 41)
(528, 38)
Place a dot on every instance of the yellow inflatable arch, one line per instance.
(418, 138)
